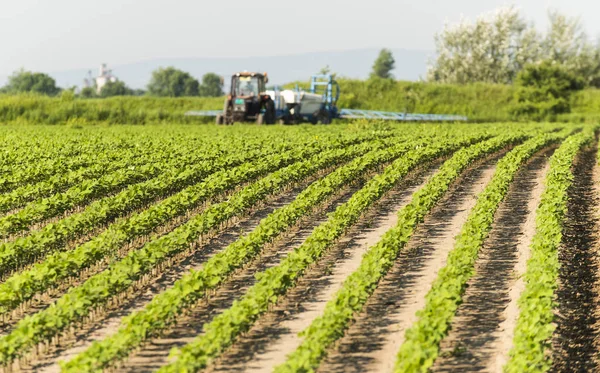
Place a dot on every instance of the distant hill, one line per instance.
(410, 65)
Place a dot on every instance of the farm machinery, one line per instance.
(250, 101)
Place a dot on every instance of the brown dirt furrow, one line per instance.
(43, 300)
(276, 335)
(482, 330)
(77, 239)
(155, 353)
(107, 322)
(574, 343)
(371, 343)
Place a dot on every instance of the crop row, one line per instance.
(164, 308)
(109, 162)
(24, 285)
(86, 188)
(78, 302)
(421, 345)
(51, 159)
(536, 303)
(26, 171)
(357, 288)
(275, 281)
(27, 249)
(27, 163)
(90, 189)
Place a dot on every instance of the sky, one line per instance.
(43, 35)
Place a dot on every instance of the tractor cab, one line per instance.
(247, 86)
(248, 101)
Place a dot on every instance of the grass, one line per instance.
(480, 102)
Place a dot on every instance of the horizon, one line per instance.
(351, 63)
(70, 34)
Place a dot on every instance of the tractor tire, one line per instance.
(269, 115)
(324, 117)
(286, 119)
(314, 119)
(220, 119)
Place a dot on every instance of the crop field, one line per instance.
(357, 247)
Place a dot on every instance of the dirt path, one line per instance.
(575, 338)
(481, 333)
(67, 349)
(372, 342)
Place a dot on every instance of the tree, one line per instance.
(212, 85)
(22, 81)
(544, 90)
(383, 65)
(117, 88)
(492, 49)
(567, 43)
(88, 92)
(498, 45)
(327, 71)
(171, 82)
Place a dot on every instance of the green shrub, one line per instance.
(543, 91)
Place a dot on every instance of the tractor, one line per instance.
(248, 101)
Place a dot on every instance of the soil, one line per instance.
(482, 331)
(574, 343)
(268, 343)
(155, 353)
(109, 324)
(372, 342)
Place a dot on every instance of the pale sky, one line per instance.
(54, 35)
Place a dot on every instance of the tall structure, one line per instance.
(105, 75)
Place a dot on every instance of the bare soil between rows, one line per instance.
(574, 343)
(370, 344)
(476, 338)
(155, 352)
(108, 324)
(275, 334)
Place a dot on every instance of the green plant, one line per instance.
(534, 327)
(421, 345)
(543, 91)
(275, 281)
(357, 288)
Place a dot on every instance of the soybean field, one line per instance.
(356, 247)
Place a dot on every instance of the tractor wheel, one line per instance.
(219, 119)
(269, 115)
(286, 119)
(324, 117)
(314, 119)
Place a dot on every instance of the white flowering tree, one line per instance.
(491, 49)
(567, 43)
(498, 45)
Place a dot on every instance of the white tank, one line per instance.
(309, 102)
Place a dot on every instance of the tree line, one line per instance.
(501, 47)
(165, 82)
